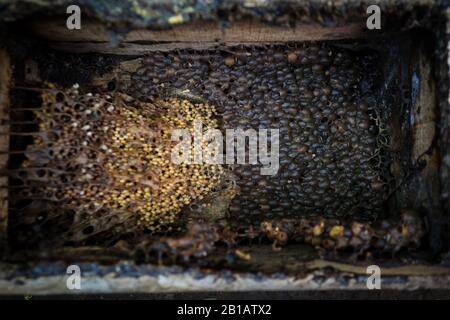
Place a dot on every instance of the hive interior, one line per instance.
(82, 171)
(322, 100)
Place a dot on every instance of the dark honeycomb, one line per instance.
(321, 97)
(99, 166)
(94, 170)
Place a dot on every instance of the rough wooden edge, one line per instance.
(200, 31)
(98, 279)
(135, 49)
(424, 119)
(94, 37)
(424, 150)
(445, 128)
(5, 75)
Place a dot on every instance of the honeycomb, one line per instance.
(107, 159)
(321, 97)
(99, 164)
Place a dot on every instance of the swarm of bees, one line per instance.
(100, 164)
(317, 95)
(333, 234)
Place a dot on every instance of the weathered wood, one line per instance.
(101, 279)
(5, 76)
(424, 151)
(445, 129)
(133, 49)
(94, 37)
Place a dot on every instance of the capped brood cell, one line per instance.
(362, 143)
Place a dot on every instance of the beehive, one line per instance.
(101, 164)
(320, 97)
(362, 151)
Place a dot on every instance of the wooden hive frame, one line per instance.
(428, 134)
(5, 75)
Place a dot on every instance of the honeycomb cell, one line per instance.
(111, 163)
(320, 97)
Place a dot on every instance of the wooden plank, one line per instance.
(402, 270)
(445, 134)
(424, 117)
(201, 31)
(133, 49)
(5, 76)
(121, 73)
(95, 37)
(424, 151)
